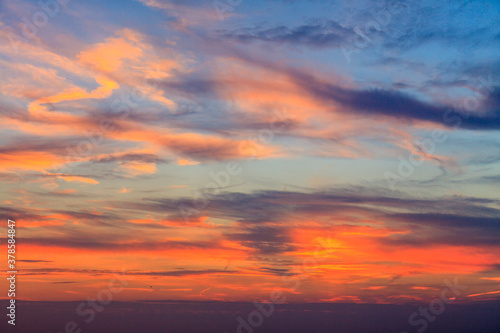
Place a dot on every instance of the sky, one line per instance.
(336, 151)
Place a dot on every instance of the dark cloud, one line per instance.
(266, 240)
(50, 271)
(262, 220)
(277, 271)
(28, 143)
(490, 179)
(94, 272)
(102, 243)
(184, 272)
(18, 214)
(272, 206)
(451, 220)
(83, 215)
(132, 157)
(204, 150)
(494, 268)
(263, 217)
(61, 194)
(450, 236)
(192, 87)
(105, 220)
(321, 35)
(394, 104)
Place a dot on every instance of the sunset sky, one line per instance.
(213, 149)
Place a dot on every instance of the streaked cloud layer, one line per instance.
(209, 151)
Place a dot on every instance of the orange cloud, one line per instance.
(28, 160)
(139, 168)
(77, 179)
(109, 56)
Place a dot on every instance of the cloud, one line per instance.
(329, 34)
(110, 55)
(266, 240)
(95, 272)
(320, 92)
(129, 246)
(183, 15)
(73, 178)
(329, 113)
(204, 148)
(265, 220)
(396, 105)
